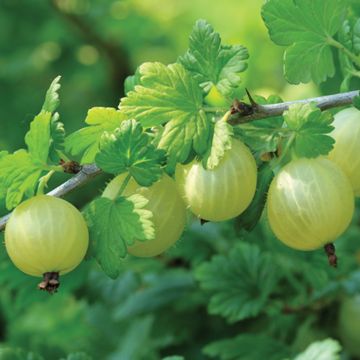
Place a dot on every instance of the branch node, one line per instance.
(241, 108)
(70, 167)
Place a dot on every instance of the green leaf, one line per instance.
(328, 349)
(239, 283)
(18, 177)
(131, 81)
(349, 37)
(52, 100)
(251, 216)
(212, 63)
(85, 142)
(247, 347)
(38, 137)
(45, 138)
(114, 224)
(310, 126)
(306, 28)
(169, 94)
(57, 139)
(221, 142)
(129, 148)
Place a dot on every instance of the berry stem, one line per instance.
(43, 182)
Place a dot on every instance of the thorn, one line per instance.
(252, 101)
(203, 221)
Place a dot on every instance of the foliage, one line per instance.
(228, 290)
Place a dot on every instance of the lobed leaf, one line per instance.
(52, 99)
(129, 148)
(239, 283)
(45, 138)
(57, 139)
(212, 63)
(221, 142)
(85, 142)
(115, 224)
(310, 126)
(169, 95)
(18, 177)
(306, 28)
(38, 138)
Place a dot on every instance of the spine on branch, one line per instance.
(243, 113)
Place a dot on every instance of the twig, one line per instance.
(265, 111)
(87, 172)
(260, 112)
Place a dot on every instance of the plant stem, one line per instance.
(43, 182)
(123, 185)
(354, 58)
(276, 163)
(86, 173)
(263, 111)
(323, 102)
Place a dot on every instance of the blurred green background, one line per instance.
(157, 307)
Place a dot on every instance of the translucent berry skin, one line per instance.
(346, 151)
(224, 192)
(310, 203)
(46, 234)
(167, 206)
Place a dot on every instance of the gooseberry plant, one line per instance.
(188, 136)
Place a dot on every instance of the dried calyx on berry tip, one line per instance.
(331, 254)
(50, 282)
